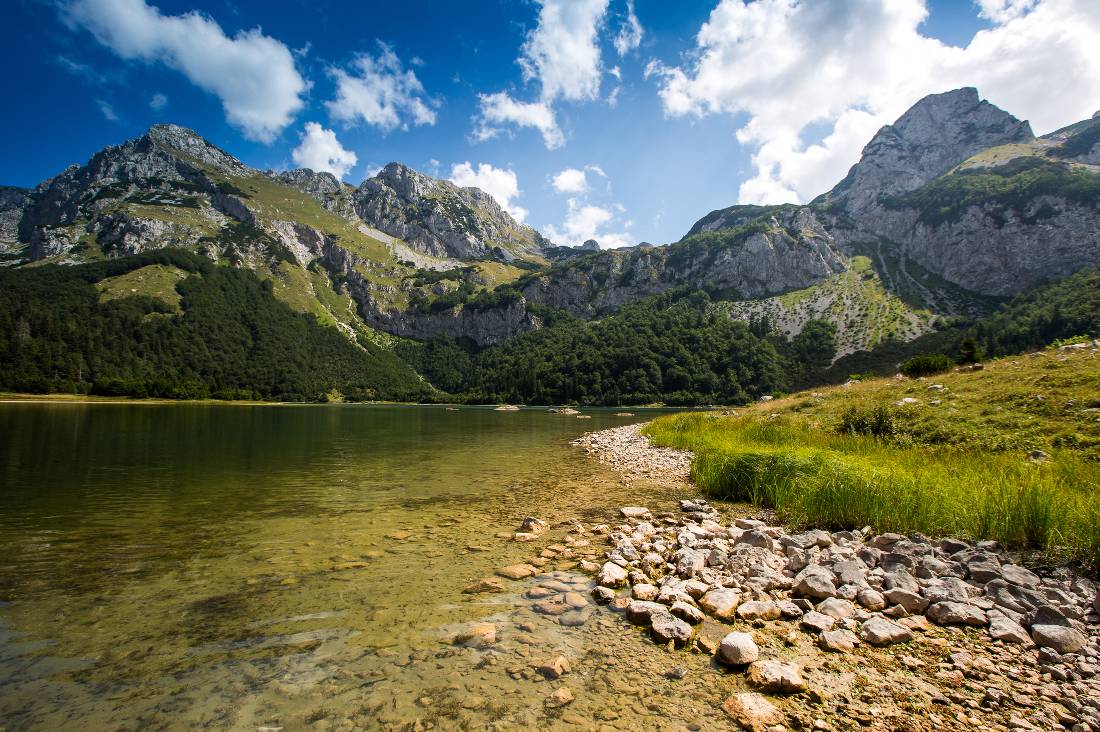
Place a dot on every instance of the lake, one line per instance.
(179, 566)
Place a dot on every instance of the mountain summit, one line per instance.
(933, 136)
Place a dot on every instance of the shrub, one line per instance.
(876, 421)
(927, 365)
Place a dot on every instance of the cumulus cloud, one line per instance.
(1002, 11)
(252, 74)
(585, 221)
(321, 151)
(629, 36)
(575, 180)
(570, 180)
(563, 56)
(158, 102)
(501, 109)
(789, 67)
(502, 184)
(381, 92)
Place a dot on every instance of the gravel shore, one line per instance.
(980, 641)
(630, 453)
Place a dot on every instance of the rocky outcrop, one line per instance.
(936, 134)
(12, 202)
(324, 187)
(787, 251)
(440, 218)
(996, 250)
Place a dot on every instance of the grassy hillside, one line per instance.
(955, 457)
(864, 311)
(1041, 315)
(123, 327)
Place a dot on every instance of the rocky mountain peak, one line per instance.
(439, 218)
(316, 184)
(933, 136)
(189, 144)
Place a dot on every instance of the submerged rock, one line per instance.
(752, 711)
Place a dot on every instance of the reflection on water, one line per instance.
(298, 567)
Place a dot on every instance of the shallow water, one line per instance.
(301, 567)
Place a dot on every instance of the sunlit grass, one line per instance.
(799, 462)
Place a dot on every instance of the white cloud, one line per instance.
(585, 221)
(500, 109)
(380, 92)
(107, 110)
(321, 151)
(563, 55)
(501, 184)
(629, 36)
(158, 102)
(570, 180)
(1002, 11)
(561, 52)
(850, 66)
(575, 180)
(252, 74)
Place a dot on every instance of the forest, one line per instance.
(232, 340)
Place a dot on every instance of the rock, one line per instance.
(1061, 638)
(555, 667)
(552, 606)
(611, 575)
(1019, 576)
(775, 677)
(486, 584)
(738, 649)
(842, 641)
(576, 618)
(752, 711)
(815, 622)
(871, 599)
(880, 632)
(815, 581)
(518, 571)
(758, 539)
(666, 627)
(689, 562)
(635, 512)
(834, 607)
(911, 601)
(721, 603)
(790, 610)
(603, 595)
(759, 610)
(687, 612)
(477, 635)
(1007, 630)
(639, 612)
(532, 525)
(956, 613)
(575, 600)
(560, 698)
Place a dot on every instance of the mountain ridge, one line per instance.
(952, 208)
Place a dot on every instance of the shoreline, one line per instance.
(983, 642)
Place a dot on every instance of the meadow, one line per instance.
(1010, 452)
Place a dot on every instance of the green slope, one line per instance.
(75, 328)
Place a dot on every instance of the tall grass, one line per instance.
(814, 477)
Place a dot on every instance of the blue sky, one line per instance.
(626, 122)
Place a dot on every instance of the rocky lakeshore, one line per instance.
(831, 630)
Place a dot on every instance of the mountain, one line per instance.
(951, 210)
(351, 256)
